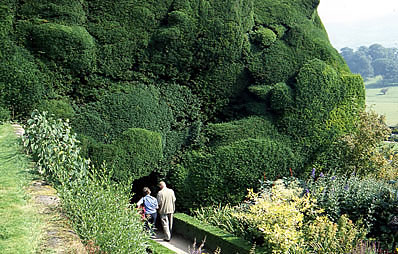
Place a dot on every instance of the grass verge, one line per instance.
(20, 225)
(386, 104)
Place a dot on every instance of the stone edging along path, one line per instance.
(57, 236)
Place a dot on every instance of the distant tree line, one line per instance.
(373, 61)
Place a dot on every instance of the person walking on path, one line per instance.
(166, 200)
(150, 204)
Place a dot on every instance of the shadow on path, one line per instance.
(178, 244)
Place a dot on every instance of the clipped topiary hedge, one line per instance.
(252, 127)
(21, 81)
(63, 11)
(180, 67)
(225, 174)
(71, 46)
(138, 152)
(191, 228)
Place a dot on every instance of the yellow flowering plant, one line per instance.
(291, 222)
(278, 214)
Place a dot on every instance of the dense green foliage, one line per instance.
(138, 152)
(234, 90)
(373, 61)
(59, 108)
(98, 208)
(374, 202)
(4, 114)
(236, 167)
(361, 151)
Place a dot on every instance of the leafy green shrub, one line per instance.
(264, 36)
(72, 46)
(4, 114)
(55, 149)
(59, 108)
(374, 202)
(138, 153)
(225, 174)
(358, 151)
(21, 82)
(99, 209)
(66, 12)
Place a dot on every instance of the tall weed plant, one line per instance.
(99, 209)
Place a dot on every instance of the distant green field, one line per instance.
(384, 104)
(373, 80)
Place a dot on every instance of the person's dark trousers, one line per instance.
(151, 222)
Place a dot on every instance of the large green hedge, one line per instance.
(225, 174)
(233, 88)
(138, 153)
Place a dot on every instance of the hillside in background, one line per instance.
(213, 95)
(380, 30)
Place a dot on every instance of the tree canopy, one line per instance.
(373, 61)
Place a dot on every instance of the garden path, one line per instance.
(178, 244)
